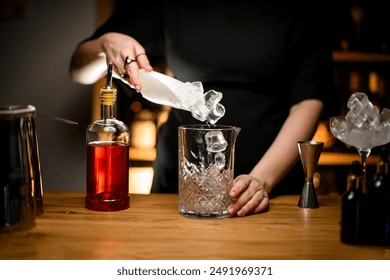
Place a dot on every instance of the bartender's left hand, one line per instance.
(249, 196)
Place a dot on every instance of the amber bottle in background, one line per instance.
(108, 156)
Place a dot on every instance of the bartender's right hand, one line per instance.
(119, 47)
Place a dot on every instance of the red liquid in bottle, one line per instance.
(107, 177)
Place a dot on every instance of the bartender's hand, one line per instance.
(119, 47)
(249, 196)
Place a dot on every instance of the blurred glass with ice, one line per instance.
(361, 111)
(215, 141)
(364, 127)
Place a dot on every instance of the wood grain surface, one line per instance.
(153, 229)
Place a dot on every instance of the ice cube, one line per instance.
(215, 141)
(361, 111)
(356, 137)
(215, 114)
(195, 92)
(385, 116)
(212, 98)
(190, 94)
(182, 94)
(219, 160)
(199, 111)
(339, 126)
(197, 87)
(371, 115)
(203, 106)
(357, 101)
(380, 134)
(385, 123)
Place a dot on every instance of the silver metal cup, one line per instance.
(309, 152)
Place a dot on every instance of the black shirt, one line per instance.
(264, 56)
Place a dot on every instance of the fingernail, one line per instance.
(233, 193)
(231, 210)
(240, 213)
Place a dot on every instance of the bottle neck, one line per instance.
(107, 103)
(355, 179)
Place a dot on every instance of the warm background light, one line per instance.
(324, 135)
(143, 137)
(143, 134)
(140, 180)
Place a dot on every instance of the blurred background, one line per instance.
(37, 41)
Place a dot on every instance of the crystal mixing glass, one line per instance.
(206, 169)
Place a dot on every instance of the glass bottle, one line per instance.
(379, 199)
(354, 208)
(107, 142)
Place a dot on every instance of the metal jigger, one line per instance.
(309, 152)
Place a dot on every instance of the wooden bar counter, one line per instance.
(153, 229)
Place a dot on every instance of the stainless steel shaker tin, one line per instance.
(21, 192)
